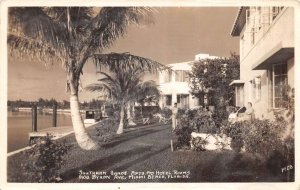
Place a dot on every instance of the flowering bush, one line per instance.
(193, 121)
(44, 160)
(166, 112)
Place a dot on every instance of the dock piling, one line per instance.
(54, 115)
(34, 118)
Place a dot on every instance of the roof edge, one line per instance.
(234, 29)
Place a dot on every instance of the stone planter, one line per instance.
(204, 141)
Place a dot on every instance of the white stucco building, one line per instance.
(174, 86)
(266, 57)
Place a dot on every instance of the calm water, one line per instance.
(19, 125)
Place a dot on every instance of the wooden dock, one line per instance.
(55, 132)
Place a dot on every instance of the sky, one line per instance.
(176, 35)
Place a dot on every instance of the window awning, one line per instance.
(237, 82)
(279, 53)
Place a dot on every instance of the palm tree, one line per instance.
(123, 84)
(148, 92)
(71, 36)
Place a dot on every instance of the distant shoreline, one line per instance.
(45, 110)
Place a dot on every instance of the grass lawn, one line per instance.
(147, 148)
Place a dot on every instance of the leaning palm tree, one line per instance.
(71, 36)
(123, 82)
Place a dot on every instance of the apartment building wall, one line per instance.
(178, 90)
(266, 40)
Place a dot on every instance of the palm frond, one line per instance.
(127, 62)
(35, 23)
(112, 22)
(96, 87)
(25, 46)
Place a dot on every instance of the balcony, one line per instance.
(275, 44)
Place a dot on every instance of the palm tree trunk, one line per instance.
(129, 116)
(122, 117)
(82, 137)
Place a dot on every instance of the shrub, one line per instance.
(146, 111)
(193, 121)
(181, 111)
(111, 110)
(183, 132)
(166, 112)
(236, 132)
(220, 116)
(106, 129)
(202, 122)
(260, 137)
(44, 160)
(199, 144)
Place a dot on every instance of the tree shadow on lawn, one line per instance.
(234, 167)
(103, 163)
(216, 168)
(132, 163)
(130, 136)
(107, 163)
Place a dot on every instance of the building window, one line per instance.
(256, 86)
(252, 35)
(239, 96)
(181, 76)
(185, 101)
(259, 15)
(167, 77)
(280, 85)
(168, 100)
(275, 12)
(196, 101)
(178, 98)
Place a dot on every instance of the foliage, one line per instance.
(203, 122)
(181, 111)
(72, 36)
(212, 77)
(236, 131)
(45, 103)
(124, 85)
(195, 120)
(199, 144)
(112, 111)
(259, 137)
(147, 111)
(44, 160)
(183, 132)
(166, 112)
(288, 114)
(106, 129)
(220, 116)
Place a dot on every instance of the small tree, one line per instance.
(70, 36)
(123, 82)
(212, 77)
